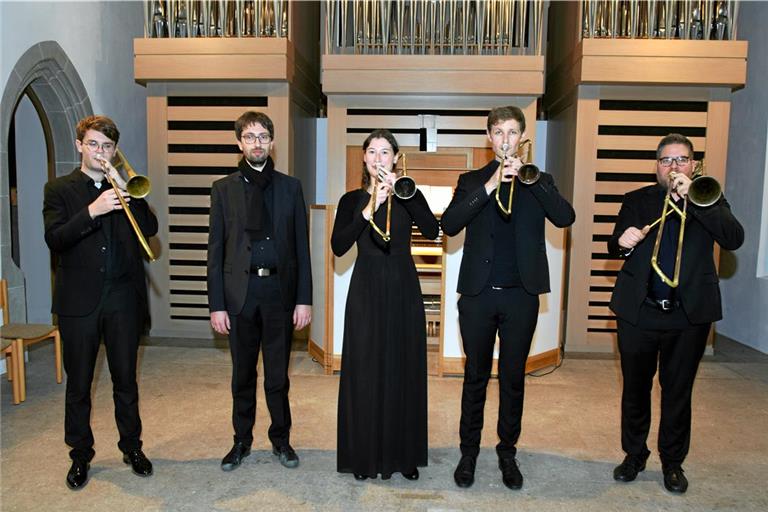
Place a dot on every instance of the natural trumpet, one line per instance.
(528, 174)
(404, 188)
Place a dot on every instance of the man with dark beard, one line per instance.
(259, 282)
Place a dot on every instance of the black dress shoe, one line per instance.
(139, 462)
(235, 456)
(360, 477)
(77, 476)
(464, 476)
(510, 473)
(628, 470)
(413, 475)
(674, 480)
(287, 456)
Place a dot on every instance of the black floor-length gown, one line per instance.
(382, 416)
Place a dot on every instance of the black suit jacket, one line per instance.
(80, 244)
(698, 291)
(473, 208)
(229, 246)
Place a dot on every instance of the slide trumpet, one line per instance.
(528, 174)
(137, 187)
(703, 191)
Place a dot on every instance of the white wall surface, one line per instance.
(98, 39)
(743, 283)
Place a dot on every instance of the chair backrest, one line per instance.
(4, 300)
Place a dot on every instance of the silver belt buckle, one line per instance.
(263, 272)
(666, 304)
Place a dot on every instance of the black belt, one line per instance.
(665, 305)
(263, 271)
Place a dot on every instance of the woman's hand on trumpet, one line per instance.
(106, 202)
(381, 191)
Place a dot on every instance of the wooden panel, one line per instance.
(395, 81)
(665, 47)
(204, 159)
(192, 180)
(211, 67)
(196, 201)
(618, 165)
(211, 113)
(203, 136)
(617, 187)
(188, 238)
(211, 46)
(509, 64)
(601, 324)
(656, 70)
(635, 142)
(651, 118)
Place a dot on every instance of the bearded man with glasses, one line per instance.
(100, 292)
(659, 324)
(259, 282)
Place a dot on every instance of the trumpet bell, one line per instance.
(704, 191)
(404, 187)
(528, 174)
(138, 186)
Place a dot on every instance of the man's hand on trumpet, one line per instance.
(509, 167)
(632, 236)
(679, 184)
(107, 202)
(107, 167)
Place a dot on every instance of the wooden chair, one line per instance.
(15, 338)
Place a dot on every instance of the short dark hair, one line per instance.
(101, 124)
(674, 138)
(251, 117)
(380, 133)
(501, 114)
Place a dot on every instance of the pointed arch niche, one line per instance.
(46, 75)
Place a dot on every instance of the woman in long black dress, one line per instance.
(382, 417)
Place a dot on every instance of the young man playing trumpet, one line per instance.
(100, 292)
(503, 271)
(659, 322)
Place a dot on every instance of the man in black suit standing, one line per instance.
(100, 292)
(659, 323)
(503, 270)
(259, 282)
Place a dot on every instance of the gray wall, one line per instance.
(745, 293)
(98, 39)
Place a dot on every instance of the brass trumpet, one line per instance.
(137, 187)
(703, 191)
(404, 188)
(528, 174)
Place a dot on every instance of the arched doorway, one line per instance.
(46, 78)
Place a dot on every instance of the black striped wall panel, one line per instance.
(627, 135)
(201, 149)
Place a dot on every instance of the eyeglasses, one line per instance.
(95, 146)
(250, 138)
(680, 160)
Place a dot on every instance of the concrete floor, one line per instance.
(569, 445)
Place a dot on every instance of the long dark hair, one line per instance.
(380, 133)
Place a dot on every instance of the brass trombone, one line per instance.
(703, 191)
(137, 187)
(404, 188)
(528, 174)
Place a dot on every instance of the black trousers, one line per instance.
(513, 313)
(669, 340)
(264, 325)
(116, 320)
